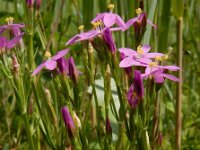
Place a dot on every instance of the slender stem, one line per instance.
(30, 46)
(179, 84)
(155, 120)
(28, 131)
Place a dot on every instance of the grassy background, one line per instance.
(59, 20)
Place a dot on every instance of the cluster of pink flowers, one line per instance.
(15, 36)
(104, 24)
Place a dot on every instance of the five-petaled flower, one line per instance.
(141, 57)
(109, 19)
(6, 44)
(51, 63)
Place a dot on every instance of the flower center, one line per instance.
(153, 64)
(81, 28)
(99, 25)
(158, 58)
(9, 20)
(165, 57)
(138, 11)
(111, 7)
(47, 55)
(140, 51)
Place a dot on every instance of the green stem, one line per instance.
(179, 84)
(155, 121)
(30, 46)
(28, 131)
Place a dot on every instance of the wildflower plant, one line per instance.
(101, 88)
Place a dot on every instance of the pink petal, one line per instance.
(73, 40)
(127, 51)
(171, 77)
(98, 17)
(149, 22)
(119, 21)
(38, 68)
(150, 70)
(144, 75)
(128, 62)
(117, 29)
(109, 19)
(146, 48)
(60, 54)
(145, 60)
(50, 64)
(153, 55)
(3, 42)
(131, 22)
(14, 41)
(158, 79)
(172, 68)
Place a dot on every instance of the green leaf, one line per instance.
(150, 17)
(177, 8)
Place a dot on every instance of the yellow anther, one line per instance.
(138, 11)
(140, 50)
(9, 20)
(98, 25)
(153, 64)
(165, 57)
(47, 55)
(158, 58)
(111, 7)
(81, 28)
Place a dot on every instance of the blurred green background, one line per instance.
(60, 21)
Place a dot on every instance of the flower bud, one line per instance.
(30, 3)
(38, 4)
(160, 138)
(69, 123)
(140, 27)
(15, 66)
(108, 126)
(73, 72)
(138, 84)
(107, 36)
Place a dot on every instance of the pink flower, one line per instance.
(140, 20)
(159, 76)
(137, 58)
(8, 44)
(15, 28)
(154, 66)
(89, 35)
(109, 19)
(51, 63)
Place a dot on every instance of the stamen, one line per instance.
(9, 20)
(153, 64)
(138, 11)
(158, 58)
(98, 25)
(111, 7)
(81, 28)
(165, 57)
(47, 55)
(140, 51)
